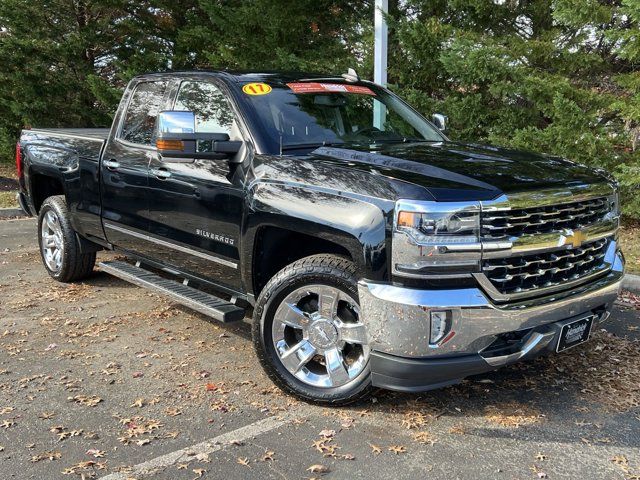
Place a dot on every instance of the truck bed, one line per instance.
(89, 133)
(62, 147)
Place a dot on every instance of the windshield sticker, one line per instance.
(256, 88)
(314, 87)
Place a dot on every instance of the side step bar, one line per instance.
(200, 301)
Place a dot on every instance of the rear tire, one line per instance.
(307, 332)
(59, 245)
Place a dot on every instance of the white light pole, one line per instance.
(380, 58)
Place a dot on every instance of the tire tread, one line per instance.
(321, 264)
(76, 265)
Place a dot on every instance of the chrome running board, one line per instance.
(198, 300)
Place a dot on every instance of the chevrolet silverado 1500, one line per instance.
(372, 250)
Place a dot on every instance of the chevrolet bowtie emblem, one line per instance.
(575, 238)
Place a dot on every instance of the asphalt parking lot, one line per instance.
(103, 379)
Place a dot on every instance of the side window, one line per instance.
(212, 109)
(140, 117)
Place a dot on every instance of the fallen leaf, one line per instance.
(397, 449)
(327, 433)
(86, 400)
(94, 452)
(203, 457)
(243, 461)
(173, 411)
(46, 456)
(7, 424)
(318, 469)
(457, 430)
(375, 449)
(620, 460)
(425, 438)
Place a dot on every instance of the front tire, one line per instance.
(59, 246)
(308, 334)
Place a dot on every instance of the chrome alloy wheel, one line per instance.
(318, 336)
(51, 241)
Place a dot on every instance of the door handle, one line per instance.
(160, 173)
(110, 164)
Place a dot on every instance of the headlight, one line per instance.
(425, 227)
(434, 239)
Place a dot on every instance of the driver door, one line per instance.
(195, 206)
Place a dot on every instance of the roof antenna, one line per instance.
(280, 143)
(351, 76)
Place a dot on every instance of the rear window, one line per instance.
(142, 111)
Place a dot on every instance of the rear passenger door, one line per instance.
(196, 205)
(124, 168)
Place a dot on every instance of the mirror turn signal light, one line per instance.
(163, 144)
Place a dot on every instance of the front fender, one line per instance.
(353, 222)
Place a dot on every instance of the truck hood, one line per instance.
(458, 172)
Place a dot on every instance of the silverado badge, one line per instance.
(215, 237)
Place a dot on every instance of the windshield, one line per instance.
(308, 114)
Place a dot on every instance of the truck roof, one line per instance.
(251, 76)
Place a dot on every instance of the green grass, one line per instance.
(630, 243)
(8, 200)
(7, 170)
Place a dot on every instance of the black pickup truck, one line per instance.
(372, 250)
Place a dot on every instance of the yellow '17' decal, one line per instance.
(256, 89)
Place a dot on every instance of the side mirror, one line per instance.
(176, 139)
(440, 121)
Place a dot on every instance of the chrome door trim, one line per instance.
(174, 246)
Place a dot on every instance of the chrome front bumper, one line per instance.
(397, 319)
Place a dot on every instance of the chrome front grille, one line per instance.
(545, 219)
(527, 273)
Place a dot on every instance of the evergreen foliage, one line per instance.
(557, 76)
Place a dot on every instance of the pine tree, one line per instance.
(559, 77)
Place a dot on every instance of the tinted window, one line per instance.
(312, 113)
(140, 118)
(212, 109)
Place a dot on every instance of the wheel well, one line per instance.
(276, 248)
(43, 187)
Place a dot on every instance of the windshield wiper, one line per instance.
(403, 140)
(299, 146)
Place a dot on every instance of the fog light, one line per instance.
(440, 325)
